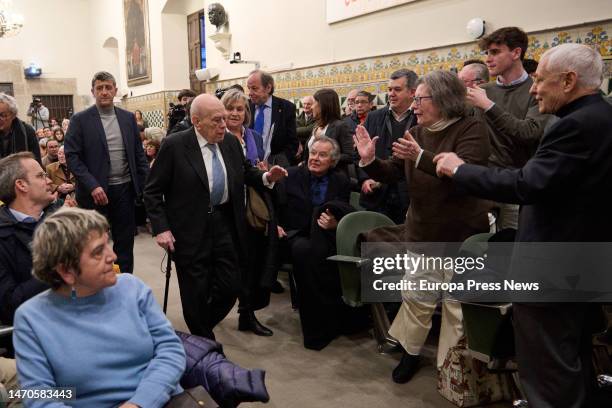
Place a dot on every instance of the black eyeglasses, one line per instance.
(417, 99)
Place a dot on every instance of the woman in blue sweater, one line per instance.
(99, 333)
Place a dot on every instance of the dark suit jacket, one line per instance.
(284, 139)
(296, 209)
(566, 188)
(23, 138)
(177, 196)
(304, 127)
(87, 154)
(378, 123)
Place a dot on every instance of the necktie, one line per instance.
(218, 185)
(259, 119)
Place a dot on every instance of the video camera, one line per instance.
(176, 112)
(36, 103)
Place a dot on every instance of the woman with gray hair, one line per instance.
(15, 134)
(437, 212)
(100, 334)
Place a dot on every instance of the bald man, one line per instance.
(195, 200)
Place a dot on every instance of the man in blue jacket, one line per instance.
(104, 152)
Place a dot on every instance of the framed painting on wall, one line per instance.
(137, 47)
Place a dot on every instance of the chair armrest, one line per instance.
(6, 330)
(355, 260)
(503, 308)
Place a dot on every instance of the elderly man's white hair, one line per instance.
(581, 59)
(10, 101)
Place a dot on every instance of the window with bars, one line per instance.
(60, 106)
(7, 88)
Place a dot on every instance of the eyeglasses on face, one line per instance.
(418, 99)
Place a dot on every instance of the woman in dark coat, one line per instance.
(257, 276)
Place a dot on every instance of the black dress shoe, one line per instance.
(248, 322)
(277, 288)
(407, 367)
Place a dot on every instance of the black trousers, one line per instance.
(554, 353)
(121, 216)
(323, 314)
(209, 281)
(253, 296)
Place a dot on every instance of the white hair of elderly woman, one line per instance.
(585, 61)
(154, 133)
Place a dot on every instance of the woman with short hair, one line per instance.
(257, 276)
(437, 212)
(99, 333)
(236, 104)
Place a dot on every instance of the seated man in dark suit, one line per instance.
(313, 199)
(27, 194)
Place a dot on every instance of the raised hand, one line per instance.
(477, 97)
(406, 148)
(366, 146)
(276, 173)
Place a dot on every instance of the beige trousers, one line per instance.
(413, 321)
(8, 377)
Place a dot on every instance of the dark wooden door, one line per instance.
(194, 36)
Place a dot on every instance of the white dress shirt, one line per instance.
(207, 155)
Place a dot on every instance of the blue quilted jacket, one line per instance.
(228, 384)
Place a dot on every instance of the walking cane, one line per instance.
(168, 270)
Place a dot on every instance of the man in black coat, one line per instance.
(15, 135)
(27, 195)
(389, 124)
(104, 152)
(195, 200)
(313, 199)
(273, 119)
(565, 191)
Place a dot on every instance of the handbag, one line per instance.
(466, 382)
(196, 397)
(257, 213)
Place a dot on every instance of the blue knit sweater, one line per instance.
(114, 346)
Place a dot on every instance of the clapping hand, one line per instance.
(366, 146)
(406, 148)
